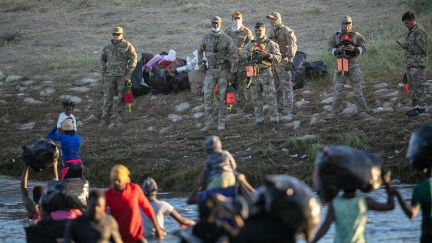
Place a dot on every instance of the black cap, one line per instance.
(259, 25)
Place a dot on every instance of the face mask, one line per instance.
(236, 24)
(276, 22)
(214, 30)
(346, 28)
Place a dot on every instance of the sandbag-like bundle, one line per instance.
(66, 194)
(340, 167)
(419, 152)
(298, 70)
(43, 154)
(290, 201)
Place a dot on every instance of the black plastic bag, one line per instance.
(315, 69)
(419, 152)
(139, 87)
(43, 154)
(292, 202)
(298, 70)
(66, 194)
(340, 167)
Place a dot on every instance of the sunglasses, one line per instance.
(346, 23)
(116, 34)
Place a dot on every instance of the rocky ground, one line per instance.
(162, 138)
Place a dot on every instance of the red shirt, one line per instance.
(124, 207)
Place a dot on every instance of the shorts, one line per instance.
(72, 171)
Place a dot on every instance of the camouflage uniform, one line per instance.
(117, 63)
(353, 74)
(219, 50)
(286, 40)
(262, 86)
(240, 37)
(415, 64)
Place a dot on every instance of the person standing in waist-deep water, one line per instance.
(70, 147)
(221, 56)
(286, 39)
(349, 45)
(415, 63)
(118, 61)
(160, 208)
(262, 53)
(240, 36)
(95, 225)
(124, 200)
(32, 206)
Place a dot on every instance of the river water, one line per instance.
(392, 226)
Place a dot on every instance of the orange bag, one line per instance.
(251, 71)
(342, 65)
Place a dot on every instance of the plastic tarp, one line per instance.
(340, 167)
(42, 155)
(419, 152)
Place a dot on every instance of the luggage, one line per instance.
(419, 152)
(298, 70)
(315, 69)
(290, 201)
(66, 194)
(139, 87)
(42, 155)
(340, 167)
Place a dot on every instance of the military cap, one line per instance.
(274, 15)
(346, 20)
(259, 25)
(118, 30)
(237, 15)
(216, 19)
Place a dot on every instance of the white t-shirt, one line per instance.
(63, 117)
(160, 208)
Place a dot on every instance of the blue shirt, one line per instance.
(70, 144)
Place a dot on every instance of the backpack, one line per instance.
(315, 69)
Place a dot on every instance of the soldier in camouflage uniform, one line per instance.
(286, 40)
(220, 52)
(415, 63)
(263, 53)
(348, 44)
(118, 60)
(241, 36)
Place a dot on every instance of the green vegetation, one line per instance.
(18, 5)
(356, 139)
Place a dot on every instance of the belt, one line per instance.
(73, 161)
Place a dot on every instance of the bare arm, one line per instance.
(410, 211)
(115, 234)
(55, 170)
(193, 195)
(175, 215)
(389, 205)
(326, 224)
(28, 203)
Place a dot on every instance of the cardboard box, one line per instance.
(196, 81)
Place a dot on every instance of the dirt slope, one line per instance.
(57, 44)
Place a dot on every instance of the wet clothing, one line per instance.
(72, 170)
(63, 117)
(422, 195)
(240, 37)
(85, 229)
(221, 58)
(118, 61)
(354, 72)
(286, 40)
(262, 86)
(70, 144)
(415, 65)
(161, 208)
(125, 208)
(219, 167)
(350, 219)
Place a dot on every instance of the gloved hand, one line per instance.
(289, 66)
(231, 77)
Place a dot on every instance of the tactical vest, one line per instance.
(345, 40)
(256, 57)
